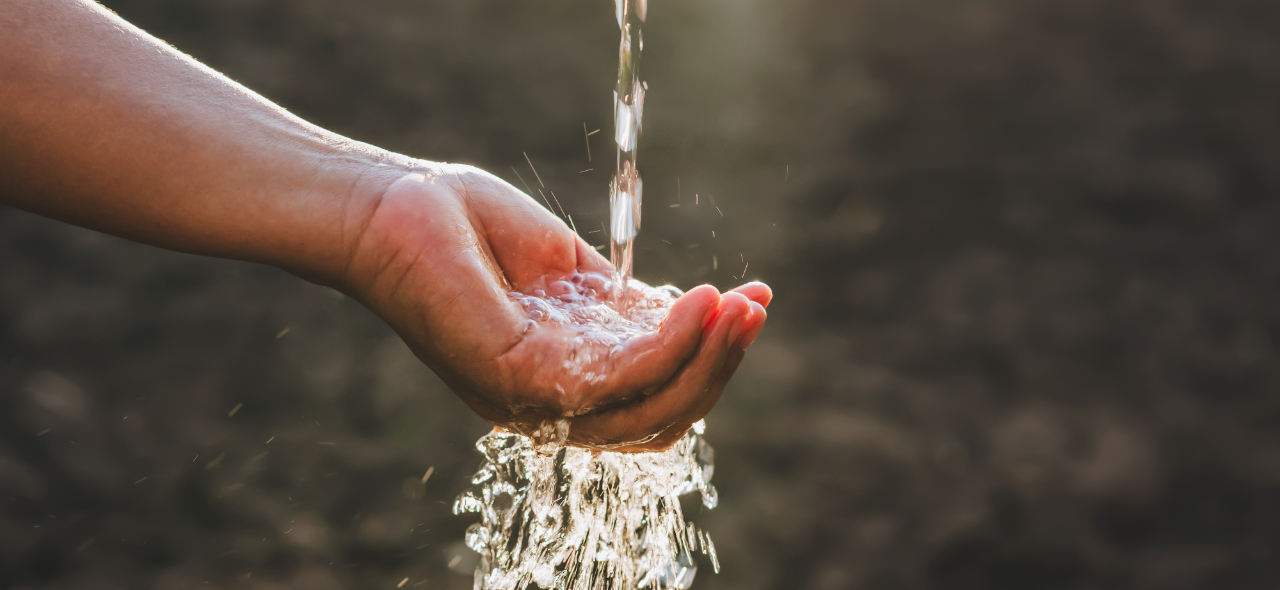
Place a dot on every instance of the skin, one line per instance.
(106, 127)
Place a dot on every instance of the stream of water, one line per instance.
(628, 100)
(568, 518)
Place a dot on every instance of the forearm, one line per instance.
(103, 126)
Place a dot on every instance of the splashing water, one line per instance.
(588, 519)
(568, 518)
(579, 519)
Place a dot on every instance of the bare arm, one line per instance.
(106, 127)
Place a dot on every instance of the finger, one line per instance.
(757, 292)
(754, 324)
(737, 351)
(672, 434)
(655, 413)
(590, 260)
(699, 384)
(646, 362)
(751, 328)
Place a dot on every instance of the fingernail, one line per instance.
(758, 317)
(710, 316)
(736, 329)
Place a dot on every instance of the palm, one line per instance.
(437, 259)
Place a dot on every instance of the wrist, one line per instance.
(343, 198)
(371, 240)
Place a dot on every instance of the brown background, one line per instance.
(1025, 255)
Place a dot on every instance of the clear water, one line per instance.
(580, 519)
(628, 98)
(582, 311)
(588, 519)
(568, 518)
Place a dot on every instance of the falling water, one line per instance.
(588, 519)
(628, 100)
(579, 519)
(568, 518)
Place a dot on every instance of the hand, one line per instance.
(436, 256)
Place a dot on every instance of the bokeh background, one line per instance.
(1025, 256)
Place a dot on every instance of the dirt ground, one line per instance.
(1026, 264)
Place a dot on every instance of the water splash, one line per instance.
(578, 519)
(588, 519)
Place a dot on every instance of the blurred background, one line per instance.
(1025, 257)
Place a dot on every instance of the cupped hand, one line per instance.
(437, 255)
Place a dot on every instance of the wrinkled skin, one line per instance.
(436, 257)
